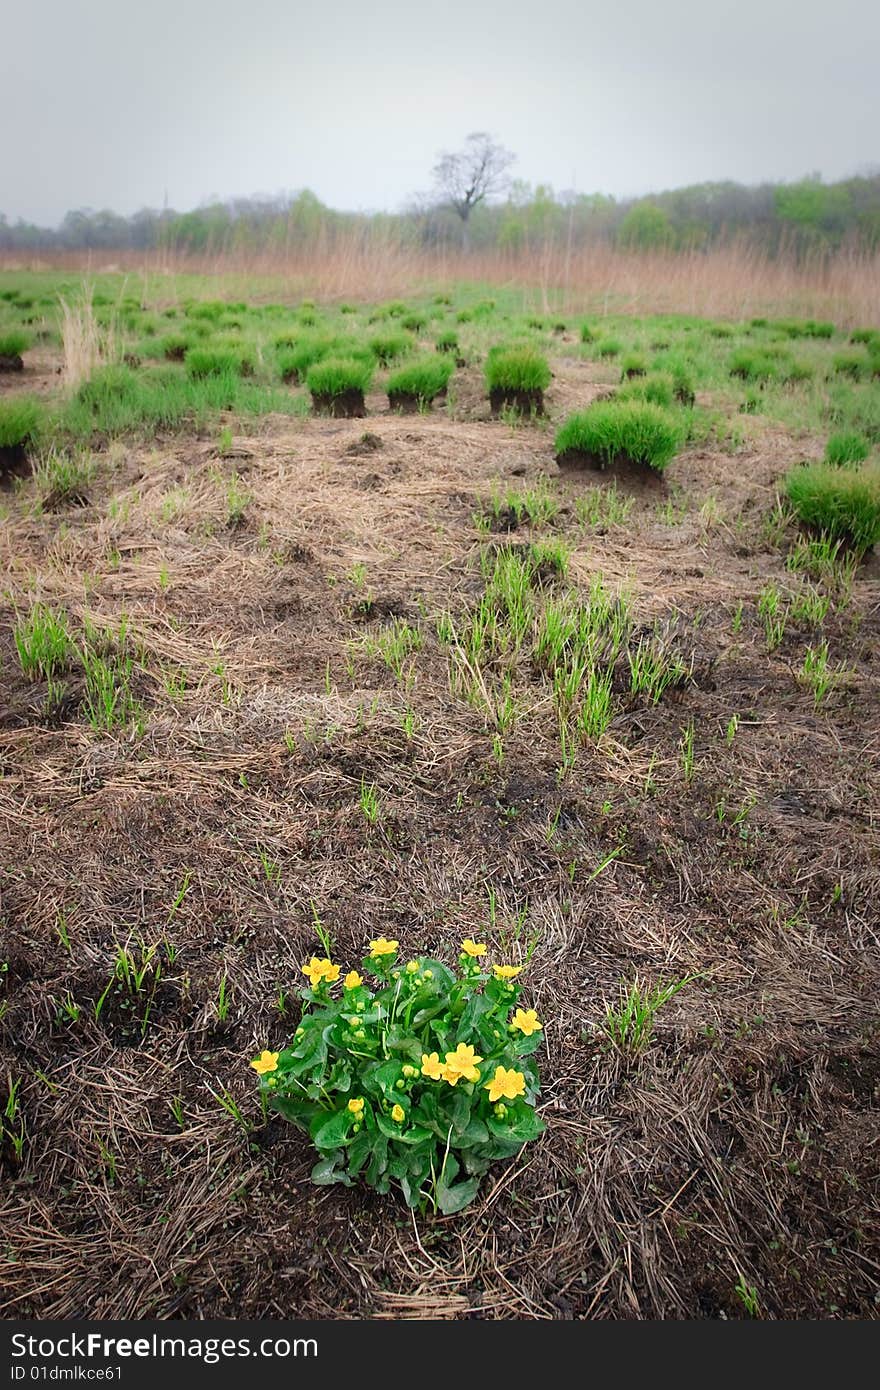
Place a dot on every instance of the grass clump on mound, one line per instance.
(809, 328)
(415, 385)
(338, 385)
(12, 344)
(633, 364)
(843, 449)
(173, 347)
(609, 347)
(840, 502)
(588, 333)
(388, 347)
(755, 365)
(619, 431)
(219, 361)
(295, 362)
(517, 378)
(657, 387)
(447, 341)
(852, 364)
(20, 420)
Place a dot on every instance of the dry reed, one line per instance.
(733, 280)
(87, 345)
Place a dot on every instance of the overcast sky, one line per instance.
(112, 103)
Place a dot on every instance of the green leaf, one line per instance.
(476, 1132)
(456, 1198)
(477, 1006)
(300, 1112)
(359, 1150)
(518, 1128)
(380, 1079)
(461, 1111)
(378, 1162)
(326, 1171)
(333, 1132)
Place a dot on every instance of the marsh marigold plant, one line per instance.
(411, 1074)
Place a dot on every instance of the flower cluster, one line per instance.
(422, 1080)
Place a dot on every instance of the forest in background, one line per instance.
(799, 219)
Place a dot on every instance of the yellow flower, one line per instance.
(356, 1106)
(381, 947)
(398, 1113)
(508, 1084)
(267, 1061)
(318, 970)
(461, 1063)
(527, 1021)
(352, 980)
(506, 972)
(411, 967)
(431, 1066)
(472, 948)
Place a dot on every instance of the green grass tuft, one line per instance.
(843, 449)
(517, 369)
(334, 376)
(20, 421)
(14, 342)
(423, 379)
(633, 364)
(621, 429)
(42, 642)
(219, 361)
(841, 502)
(388, 347)
(755, 364)
(294, 361)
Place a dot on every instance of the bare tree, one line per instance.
(468, 176)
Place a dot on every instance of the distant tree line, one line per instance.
(796, 218)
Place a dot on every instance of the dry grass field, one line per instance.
(271, 594)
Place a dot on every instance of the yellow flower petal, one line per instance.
(432, 1066)
(526, 1021)
(266, 1062)
(356, 1105)
(506, 1083)
(320, 969)
(398, 1113)
(473, 948)
(506, 972)
(462, 1063)
(352, 980)
(382, 947)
